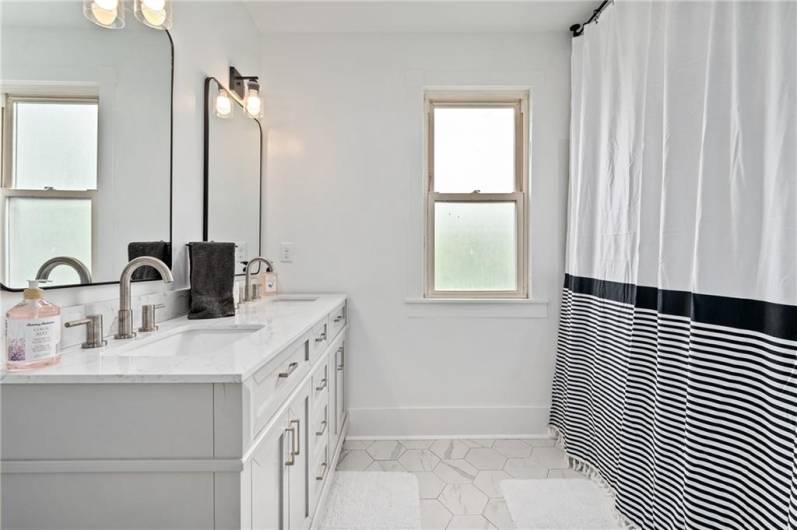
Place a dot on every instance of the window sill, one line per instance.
(476, 308)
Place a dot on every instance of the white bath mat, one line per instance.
(363, 500)
(558, 504)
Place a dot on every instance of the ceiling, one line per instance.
(363, 16)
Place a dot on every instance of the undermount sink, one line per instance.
(191, 341)
(294, 298)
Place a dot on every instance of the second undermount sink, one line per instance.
(191, 341)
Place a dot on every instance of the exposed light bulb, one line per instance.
(105, 13)
(154, 13)
(105, 17)
(223, 104)
(252, 102)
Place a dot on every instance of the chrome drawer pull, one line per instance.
(338, 318)
(322, 337)
(323, 428)
(323, 472)
(291, 456)
(297, 439)
(322, 386)
(291, 368)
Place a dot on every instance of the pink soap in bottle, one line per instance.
(33, 331)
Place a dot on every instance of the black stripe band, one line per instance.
(776, 320)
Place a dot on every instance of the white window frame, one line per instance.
(519, 101)
(8, 190)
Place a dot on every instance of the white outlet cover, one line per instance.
(286, 252)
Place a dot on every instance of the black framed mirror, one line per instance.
(86, 146)
(233, 171)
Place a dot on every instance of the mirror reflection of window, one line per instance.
(50, 181)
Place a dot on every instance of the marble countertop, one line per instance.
(275, 325)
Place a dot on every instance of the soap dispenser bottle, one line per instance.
(33, 331)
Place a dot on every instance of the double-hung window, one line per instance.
(476, 195)
(49, 177)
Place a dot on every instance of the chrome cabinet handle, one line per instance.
(291, 456)
(323, 429)
(322, 337)
(291, 368)
(323, 472)
(340, 366)
(322, 386)
(338, 318)
(297, 439)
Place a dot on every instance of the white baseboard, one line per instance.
(449, 422)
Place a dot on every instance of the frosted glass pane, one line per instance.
(474, 149)
(55, 144)
(40, 229)
(475, 246)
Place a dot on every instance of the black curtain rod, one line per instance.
(578, 29)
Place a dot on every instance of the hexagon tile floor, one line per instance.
(459, 479)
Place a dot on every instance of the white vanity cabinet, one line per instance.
(255, 453)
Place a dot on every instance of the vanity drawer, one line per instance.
(319, 339)
(320, 381)
(337, 320)
(318, 433)
(269, 386)
(318, 472)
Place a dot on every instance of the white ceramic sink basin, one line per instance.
(191, 341)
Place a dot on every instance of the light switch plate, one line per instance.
(286, 252)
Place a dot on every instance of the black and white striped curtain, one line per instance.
(676, 374)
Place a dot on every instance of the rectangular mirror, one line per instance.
(233, 174)
(86, 145)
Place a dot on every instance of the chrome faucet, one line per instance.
(249, 295)
(48, 266)
(125, 310)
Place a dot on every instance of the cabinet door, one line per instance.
(270, 473)
(340, 386)
(300, 469)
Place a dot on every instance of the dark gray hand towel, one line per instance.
(212, 278)
(157, 249)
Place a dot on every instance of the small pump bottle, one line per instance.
(33, 331)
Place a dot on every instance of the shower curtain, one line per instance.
(675, 374)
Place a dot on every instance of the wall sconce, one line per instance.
(244, 91)
(110, 14)
(105, 13)
(154, 13)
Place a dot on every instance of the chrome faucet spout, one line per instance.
(79, 267)
(248, 295)
(125, 285)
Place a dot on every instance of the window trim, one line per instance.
(519, 100)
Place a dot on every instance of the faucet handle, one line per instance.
(148, 317)
(94, 335)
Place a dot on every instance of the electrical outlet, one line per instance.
(286, 252)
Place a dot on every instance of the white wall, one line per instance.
(344, 114)
(208, 38)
